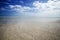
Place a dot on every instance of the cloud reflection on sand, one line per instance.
(11, 19)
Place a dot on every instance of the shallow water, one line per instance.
(13, 19)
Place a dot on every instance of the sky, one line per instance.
(38, 8)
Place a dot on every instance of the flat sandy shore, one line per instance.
(30, 30)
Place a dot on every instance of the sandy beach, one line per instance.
(30, 30)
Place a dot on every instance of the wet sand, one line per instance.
(30, 30)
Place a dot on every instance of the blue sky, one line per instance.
(39, 8)
(19, 2)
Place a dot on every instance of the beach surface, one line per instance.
(30, 29)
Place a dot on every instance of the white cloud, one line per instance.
(50, 4)
(48, 9)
